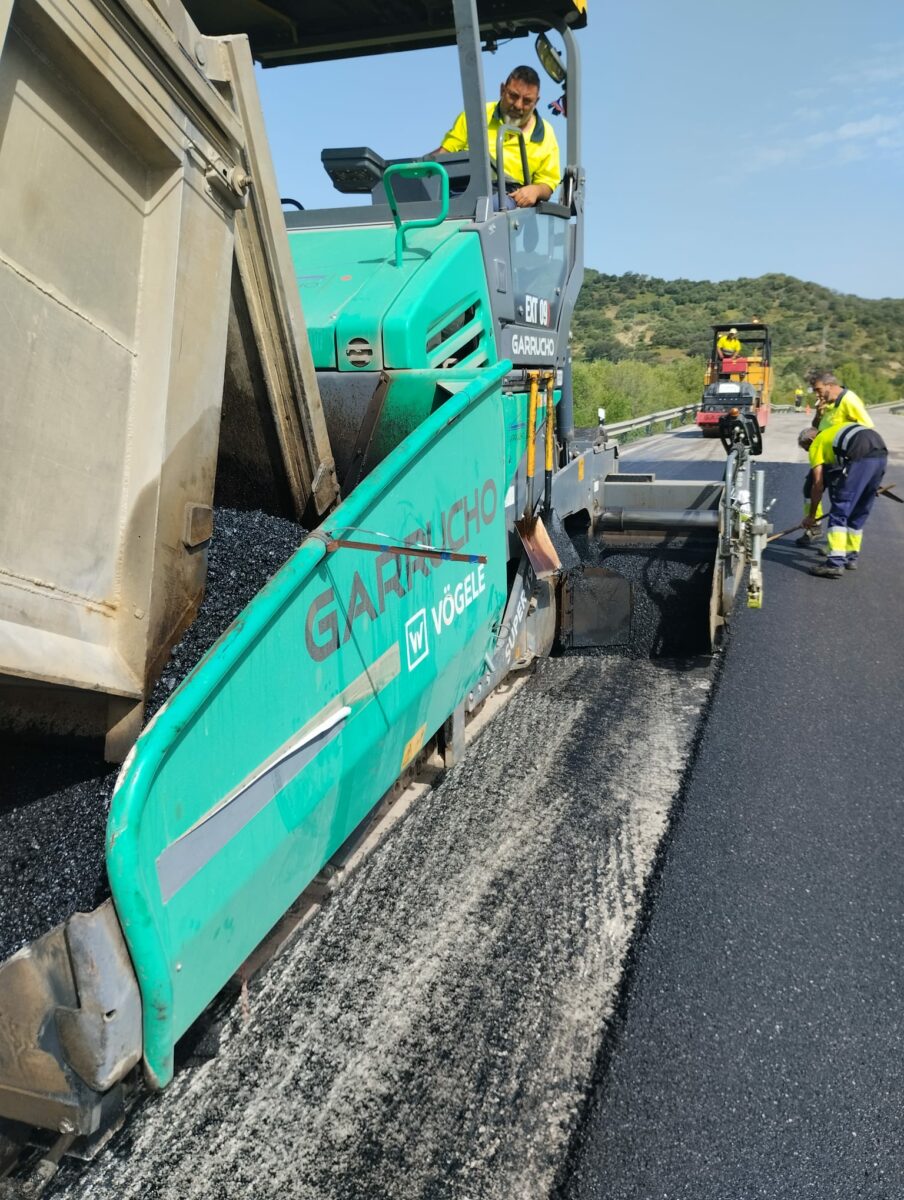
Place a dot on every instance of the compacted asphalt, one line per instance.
(757, 1049)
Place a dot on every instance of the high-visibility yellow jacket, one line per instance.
(842, 441)
(847, 408)
(729, 346)
(540, 144)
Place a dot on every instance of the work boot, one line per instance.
(851, 565)
(827, 571)
(807, 538)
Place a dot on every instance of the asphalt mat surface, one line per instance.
(758, 1046)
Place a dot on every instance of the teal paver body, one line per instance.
(333, 678)
(306, 711)
(351, 288)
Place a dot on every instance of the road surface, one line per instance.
(758, 1045)
(458, 1022)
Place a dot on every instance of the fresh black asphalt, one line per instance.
(54, 798)
(758, 1049)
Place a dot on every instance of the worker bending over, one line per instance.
(835, 405)
(849, 462)
(517, 105)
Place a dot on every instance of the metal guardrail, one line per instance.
(895, 406)
(644, 426)
(638, 426)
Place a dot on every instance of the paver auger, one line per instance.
(160, 361)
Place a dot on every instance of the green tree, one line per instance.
(652, 321)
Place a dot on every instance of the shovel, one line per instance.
(887, 490)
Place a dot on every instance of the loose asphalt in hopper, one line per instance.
(54, 799)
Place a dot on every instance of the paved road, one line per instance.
(435, 1032)
(758, 1048)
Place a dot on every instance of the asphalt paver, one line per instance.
(436, 1031)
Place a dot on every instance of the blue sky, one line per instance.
(777, 145)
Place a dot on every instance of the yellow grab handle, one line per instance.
(532, 423)
(550, 419)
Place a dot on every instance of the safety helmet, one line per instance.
(733, 330)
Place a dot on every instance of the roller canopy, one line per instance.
(293, 31)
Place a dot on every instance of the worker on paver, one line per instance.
(849, 462)
(835, 405)
(516, 106)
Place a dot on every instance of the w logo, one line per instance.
(416, 642)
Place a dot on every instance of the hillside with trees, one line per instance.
(640, 343)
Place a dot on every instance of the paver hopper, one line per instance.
(138, 257)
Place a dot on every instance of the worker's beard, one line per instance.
(513, 118)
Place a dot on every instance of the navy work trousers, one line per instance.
(853, 495)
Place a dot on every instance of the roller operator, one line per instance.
(728, 345)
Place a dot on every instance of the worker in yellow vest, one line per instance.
(849, 462)
(836, 405)
(728, 345)
(516, 108)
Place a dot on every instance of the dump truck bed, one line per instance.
(132, 259)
